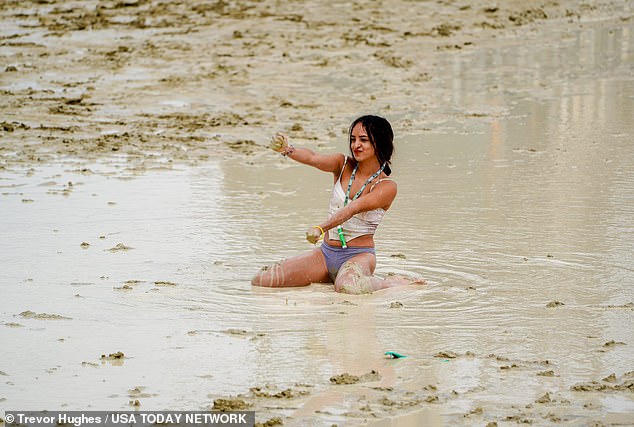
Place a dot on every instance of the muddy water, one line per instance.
(515, 203)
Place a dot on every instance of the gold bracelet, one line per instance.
(320, 229)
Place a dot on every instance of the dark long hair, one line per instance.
(381, 136)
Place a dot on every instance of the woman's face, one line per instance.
(360, 144)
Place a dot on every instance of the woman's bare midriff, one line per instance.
(365, 241)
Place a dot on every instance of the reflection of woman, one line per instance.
(361, 195)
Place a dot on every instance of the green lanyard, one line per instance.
(354, 172)
(345, 202)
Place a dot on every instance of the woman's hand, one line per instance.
(313, 234)
(279, 142)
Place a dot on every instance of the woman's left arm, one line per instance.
(381, 197)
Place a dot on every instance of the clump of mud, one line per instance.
(347, 378)
(275, 421)
(119, 355)
(554, 304)
(446, 355)
(119, 248)
(608, 384)
(527, 16)
(284, 394)
(42, 316)
(230, 404)
(613, 343)
(164, 283)
(271, 392)
(628, 306)
(139, 392)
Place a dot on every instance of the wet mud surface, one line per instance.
(133, 138)
(156, 83)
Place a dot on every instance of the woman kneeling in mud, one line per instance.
(346, 256)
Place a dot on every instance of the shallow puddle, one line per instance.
(515, 203)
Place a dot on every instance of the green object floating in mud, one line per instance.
(394, 355)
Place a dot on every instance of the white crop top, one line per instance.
(360, 224)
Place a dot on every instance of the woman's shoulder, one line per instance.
(385, 188)
(344, 162)
(385, 181)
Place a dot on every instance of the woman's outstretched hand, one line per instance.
(279, 142)
(313, 234)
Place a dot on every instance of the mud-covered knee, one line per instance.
(352, 280)
(269, 276)
(354, 284)
(353, 287)
(340, 287)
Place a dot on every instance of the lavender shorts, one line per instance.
(336, 256)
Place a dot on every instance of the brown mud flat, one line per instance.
(374, 402)
(149, 85)
(156, 83)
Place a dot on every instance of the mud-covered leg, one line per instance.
(356, 277)
(300, 270)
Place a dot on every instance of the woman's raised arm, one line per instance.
(325, 162)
